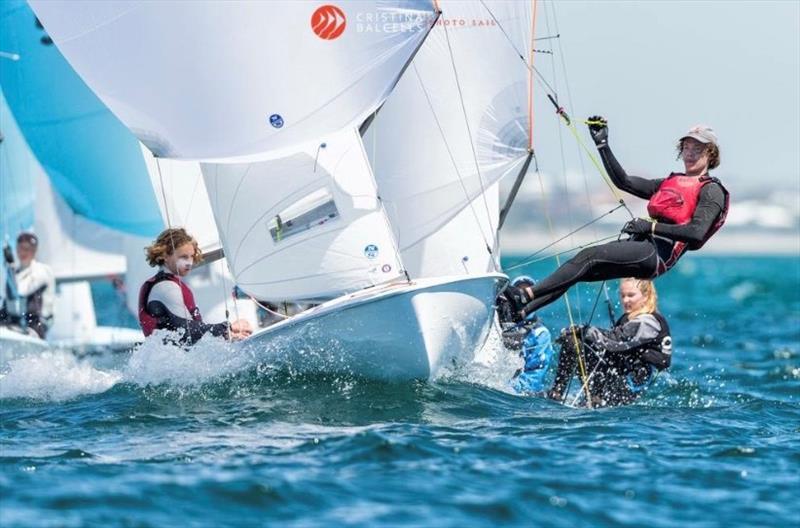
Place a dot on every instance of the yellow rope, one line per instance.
(592, 157)
(584, 379)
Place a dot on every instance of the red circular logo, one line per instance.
(328, 22)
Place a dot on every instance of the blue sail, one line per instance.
(92, 160)
(16, 180)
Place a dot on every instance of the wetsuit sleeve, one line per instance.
(194, 330)
(640, 187)
(710, 204)
(629, 336)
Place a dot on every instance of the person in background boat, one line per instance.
(166, 302)
(620, 363)
(686, 209)
(531, 339)
(30, 291)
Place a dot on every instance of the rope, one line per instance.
(452, 157)
(263, 307)
(558, 262)
(471, 143)
(525, 260)
(562, 56)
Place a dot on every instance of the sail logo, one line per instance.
(276, 120)
(371, 251)
(328, 22)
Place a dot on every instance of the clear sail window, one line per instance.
(313, 210)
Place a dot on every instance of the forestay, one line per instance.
(455, 124)
(304, 225)
(224, 79)
(182, 198)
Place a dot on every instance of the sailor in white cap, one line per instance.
(685, 210)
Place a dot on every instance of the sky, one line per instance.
(655, 68)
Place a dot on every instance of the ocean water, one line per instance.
(166, 438)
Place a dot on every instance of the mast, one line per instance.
(514, 190)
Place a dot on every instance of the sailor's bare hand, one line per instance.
(240, 329)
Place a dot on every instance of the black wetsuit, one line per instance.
(620, 363)
(637, 256)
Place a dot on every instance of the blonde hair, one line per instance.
(166, 244)
(648, 290)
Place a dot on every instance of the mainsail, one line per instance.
(462, 109)
(226, 79)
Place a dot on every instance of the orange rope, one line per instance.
(530, 80)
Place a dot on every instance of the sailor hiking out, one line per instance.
(686, 210)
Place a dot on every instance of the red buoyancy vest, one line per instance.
(675, 202)
(149, 323)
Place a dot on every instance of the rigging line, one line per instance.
(163, 195)
(517, 264)
(470, 201)
(562, 153)
(383, 212)
(566, 298)
(530, 67)
(530, 81)
(585, 385)
(570, 101)
(471, 143)
(553, 255)
(263, 307)
(553, 96)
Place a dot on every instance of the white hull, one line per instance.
(103, 339)
(15, 344)
(396, 332)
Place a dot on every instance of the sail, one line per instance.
(92, 160)
(227, 79)
(304, 225)
(182, 198)
(468, 91)
(17, 191)
(74, 247)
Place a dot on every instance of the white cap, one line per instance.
(702, 133)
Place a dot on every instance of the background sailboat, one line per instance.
(96, 199)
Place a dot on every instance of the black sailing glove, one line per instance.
(638, 226)
(517, 297)
(8, 256)
(598, 129)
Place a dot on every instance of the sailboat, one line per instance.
(397, 239)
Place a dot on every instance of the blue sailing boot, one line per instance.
(537, 351)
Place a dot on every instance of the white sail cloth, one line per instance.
(306, 225)
(182, 198)
(225, 79)
(74, 247)
(436, 160)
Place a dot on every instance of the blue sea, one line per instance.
(203, 439)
